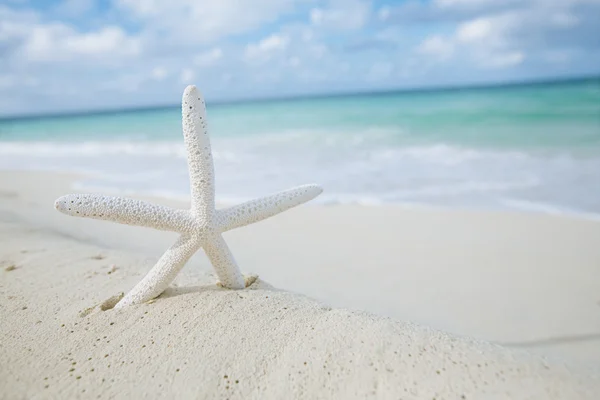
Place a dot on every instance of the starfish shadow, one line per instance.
(173, 291)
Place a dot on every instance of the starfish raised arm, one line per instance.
(199, 156)
(124, 211)
(163, 273)
(265, 207)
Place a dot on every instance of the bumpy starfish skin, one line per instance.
(201, 226)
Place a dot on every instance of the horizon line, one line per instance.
(289, 98)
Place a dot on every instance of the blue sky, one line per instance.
(91, 54)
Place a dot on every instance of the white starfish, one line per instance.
(201, 226)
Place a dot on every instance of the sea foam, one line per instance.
(358, 172)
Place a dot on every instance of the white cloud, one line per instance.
(486, 40)
(384, 13)
(264, 49)
(159, 73)
(187, 76)
(494, 31)
(15, 26)
(502, 60)
(138, 80)
(273, 43)
(564, 20)
(108, 40)
(380, 71)
(204, 21)
(470, 3)
(437, 46)
(209, 57)
(126, 83)
(29, 38)
(460, 9)
(293, 62)
(475, 30)
(342, 14)
(318, 50)
(412, 67)
(317, 16)
(227, 78)
(307, 34)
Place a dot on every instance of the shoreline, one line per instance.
(180, 201)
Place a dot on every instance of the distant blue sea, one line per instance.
(532, 147)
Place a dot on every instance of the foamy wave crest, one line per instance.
(443, 154)
(352, 168)
(468, 187)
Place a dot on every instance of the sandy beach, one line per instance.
(400, 301)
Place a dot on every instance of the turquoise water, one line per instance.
(533, 147)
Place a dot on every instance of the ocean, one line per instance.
(530, 147)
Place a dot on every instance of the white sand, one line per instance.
(521, 279)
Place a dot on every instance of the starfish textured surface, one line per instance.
(201, 225)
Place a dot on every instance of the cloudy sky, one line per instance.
(90, 54)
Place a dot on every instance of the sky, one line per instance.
(62, 56)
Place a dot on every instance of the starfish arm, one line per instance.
(224, 264)
(199, 156)
(163, 273)
(125, 211)
(263, 208)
